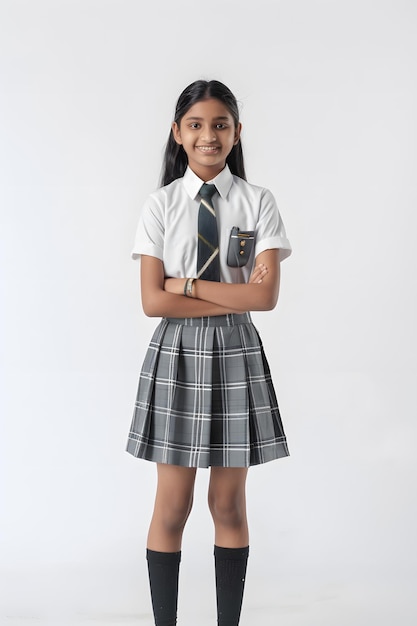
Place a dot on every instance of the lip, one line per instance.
(208, 149)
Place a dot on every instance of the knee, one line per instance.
(175, 514)
(227, 510)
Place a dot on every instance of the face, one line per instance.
(207, 133)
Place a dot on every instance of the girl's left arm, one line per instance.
(252, 296)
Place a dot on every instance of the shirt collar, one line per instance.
(223, 182)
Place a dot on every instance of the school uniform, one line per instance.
(205, 395)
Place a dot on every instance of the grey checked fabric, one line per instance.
(205, 396)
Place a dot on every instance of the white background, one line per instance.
(328, 103)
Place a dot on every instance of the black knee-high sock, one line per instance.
(230, 564)
(163, 568)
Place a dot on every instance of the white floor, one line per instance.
(333, 604)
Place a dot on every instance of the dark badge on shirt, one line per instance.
(240, 246)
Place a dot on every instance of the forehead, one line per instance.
(210, 109)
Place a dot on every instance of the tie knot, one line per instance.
(207, 191)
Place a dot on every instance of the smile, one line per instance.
(208, 148)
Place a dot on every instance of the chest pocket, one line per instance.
(240, 247)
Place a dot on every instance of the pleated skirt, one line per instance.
(206, 397)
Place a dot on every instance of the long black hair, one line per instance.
(175, 159)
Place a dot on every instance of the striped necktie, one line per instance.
(208, 263)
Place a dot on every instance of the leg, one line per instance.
(227, 502)
(228, 507)
(173, 502)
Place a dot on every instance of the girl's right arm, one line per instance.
(157, 302)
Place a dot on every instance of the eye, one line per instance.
(221, 126)
(194, 125)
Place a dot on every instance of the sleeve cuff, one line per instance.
(274, 242)
(149, 249)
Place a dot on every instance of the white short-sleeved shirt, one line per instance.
(167, 227)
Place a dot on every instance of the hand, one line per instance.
(258, 273)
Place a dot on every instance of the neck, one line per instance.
(206, 173)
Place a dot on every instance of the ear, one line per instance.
(237, 134)
(176, 132)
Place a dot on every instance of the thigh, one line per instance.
(175, 484)
(228, 483)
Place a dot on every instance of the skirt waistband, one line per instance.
(231, 319)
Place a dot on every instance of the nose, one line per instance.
(208, 134)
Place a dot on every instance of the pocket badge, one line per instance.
(240, 246)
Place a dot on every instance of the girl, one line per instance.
(210, 245)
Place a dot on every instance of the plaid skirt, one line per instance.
(205, 396)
